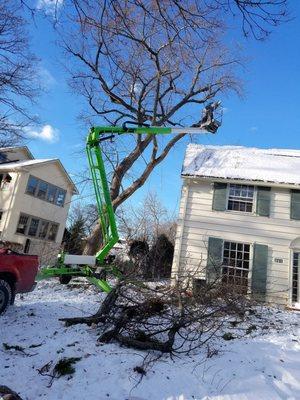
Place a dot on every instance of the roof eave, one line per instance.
(31, 157)
(26, 168)
(244, 181)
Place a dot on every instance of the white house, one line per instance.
(35, 197)
(239, 220)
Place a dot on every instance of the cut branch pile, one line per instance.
(166, 319)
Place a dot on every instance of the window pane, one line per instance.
(51, 193)
(44, 225)
(32, 185)
(60, 197)
(247, 248)
(235, 268)
(52, 232)
(33, 227)
(22, 224)
(42, 190)
(240, 198)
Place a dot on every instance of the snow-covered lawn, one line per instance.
(265, 364)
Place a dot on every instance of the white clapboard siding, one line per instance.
(197, 222)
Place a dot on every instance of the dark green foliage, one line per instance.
(139, 370)
(65, 366)
(251, 329)
(160, 258)
(74, 236)
(7, 346)
(138, 249)
(228, 336)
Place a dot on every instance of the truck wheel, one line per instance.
(65, 279)
(5, 295)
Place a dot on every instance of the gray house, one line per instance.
(239, 220)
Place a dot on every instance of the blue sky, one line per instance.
(268, 114)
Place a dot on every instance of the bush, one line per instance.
(160, 258)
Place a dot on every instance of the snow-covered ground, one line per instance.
(265, 364)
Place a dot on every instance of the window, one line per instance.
(45, 191)
(295, 277)
(36, 227)
(32, 185)
(43, 229)
(235, 266)
(27, 246)
(60, 197)
(1, 215)
(51, 195)
(22, 224)
(5, 182)
(33, 227)
(42, 190)
(52, 232)
(240, 197)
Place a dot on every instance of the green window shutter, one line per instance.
(214, 259)
(295, 204)
(220, 196)
(263, 201)
(259, 270)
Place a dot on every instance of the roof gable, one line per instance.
(30, 164)
(13, 153)
(280, 166)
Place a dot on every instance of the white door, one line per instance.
(296, 279)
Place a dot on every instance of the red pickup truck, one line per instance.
(17, 275)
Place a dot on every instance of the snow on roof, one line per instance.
(15, 165)
(14, 148)
(243, 163)
(9, 166)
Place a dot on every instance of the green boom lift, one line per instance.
(87, 266)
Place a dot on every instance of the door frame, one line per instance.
(292, 251)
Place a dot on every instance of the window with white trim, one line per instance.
(43, 229)
(32, 185)
(240, 197)
(46, 191)
(52, 231)
(235, 265)
(22, 224)
(37, 227)
(33, 227)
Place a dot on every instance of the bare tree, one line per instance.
(145, 221)
(155, 62)
(18, 78)
(87, 212)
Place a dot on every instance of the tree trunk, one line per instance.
(93, 242)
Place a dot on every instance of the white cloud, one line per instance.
(49, 6)
(254, 129)
(46, 133)
(45, 78)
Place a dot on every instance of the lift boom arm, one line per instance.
(104, 203)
